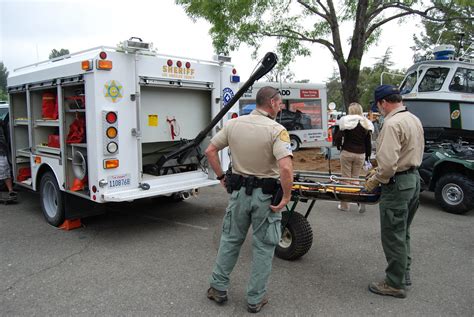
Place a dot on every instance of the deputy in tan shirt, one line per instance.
(261, 152)
(399, 154)
(400, 144)
(269, 142)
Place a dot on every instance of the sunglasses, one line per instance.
(273, 96)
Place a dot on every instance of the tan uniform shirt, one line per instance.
(400, 144)
(256, 143)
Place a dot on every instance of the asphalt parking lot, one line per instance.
(154, 258)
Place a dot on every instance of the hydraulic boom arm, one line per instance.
(267, 63)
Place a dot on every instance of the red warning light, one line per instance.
(179, 64)
(188, 65)
(169, 62)
(111, 117)
(234, 71)
(103, 55)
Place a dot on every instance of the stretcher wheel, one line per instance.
(296, 238)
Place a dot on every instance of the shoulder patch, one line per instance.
(284, 136)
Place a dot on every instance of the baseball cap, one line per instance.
(383, 91)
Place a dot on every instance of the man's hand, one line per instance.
(223, 182)
(371, 184)
(284, 201)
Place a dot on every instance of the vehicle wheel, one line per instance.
(296, 238)
(455, 193)
(52, 200)
(295, 143)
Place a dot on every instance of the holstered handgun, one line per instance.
(249, 184)
(277, 196)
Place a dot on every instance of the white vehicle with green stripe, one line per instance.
(440, 91)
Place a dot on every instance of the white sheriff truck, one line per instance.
(104, 125)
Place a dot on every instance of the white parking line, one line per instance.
(176, 222)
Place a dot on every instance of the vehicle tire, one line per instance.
(295, 143)
(455, 193)
(52, 200)
(296, 238)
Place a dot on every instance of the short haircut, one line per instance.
(265, 94)
(393, 98)
(355, 108)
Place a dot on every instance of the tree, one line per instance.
(447, 32)
(55, 53)
(369, 79)
(294, 24)
(3, 81)
(278, 75)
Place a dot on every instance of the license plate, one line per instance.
(119, 181)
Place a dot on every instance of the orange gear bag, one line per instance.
(77, 131)
(49, 106)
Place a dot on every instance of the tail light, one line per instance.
(110, 136)
(234, 115)
(104, 64)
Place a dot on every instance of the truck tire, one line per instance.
(296, 238)
(52, 199)
(295, 143)
(455, 193)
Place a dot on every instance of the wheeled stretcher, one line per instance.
(309, 186)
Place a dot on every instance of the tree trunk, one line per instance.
(349, 79)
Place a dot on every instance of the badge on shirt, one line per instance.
(284, 136)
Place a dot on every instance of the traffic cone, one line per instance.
(78, 184)
(70, 224)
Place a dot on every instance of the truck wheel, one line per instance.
(52, 200)
(295, 143)
(455, 193)
(296, 238)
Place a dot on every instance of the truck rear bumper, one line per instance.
(162, 185)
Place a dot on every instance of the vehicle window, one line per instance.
(408, 83)
(433, 79)
(463, 80)
(308, 113)
(3, 113)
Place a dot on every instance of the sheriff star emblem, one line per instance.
(113, 91)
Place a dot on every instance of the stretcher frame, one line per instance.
(311, 186)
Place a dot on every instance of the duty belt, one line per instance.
(268, 185)
(411, 170)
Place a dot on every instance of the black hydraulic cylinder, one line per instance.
(267, 64)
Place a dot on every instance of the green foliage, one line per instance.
(3, 77)
(448, 31)
(55, 53)
(3, 95)
(334, 90)
(295, 25)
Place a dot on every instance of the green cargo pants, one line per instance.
(245, 210)
(398, 204)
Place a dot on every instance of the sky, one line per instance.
(30, 29)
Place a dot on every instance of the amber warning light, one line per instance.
(86, 65)
(104, 64)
